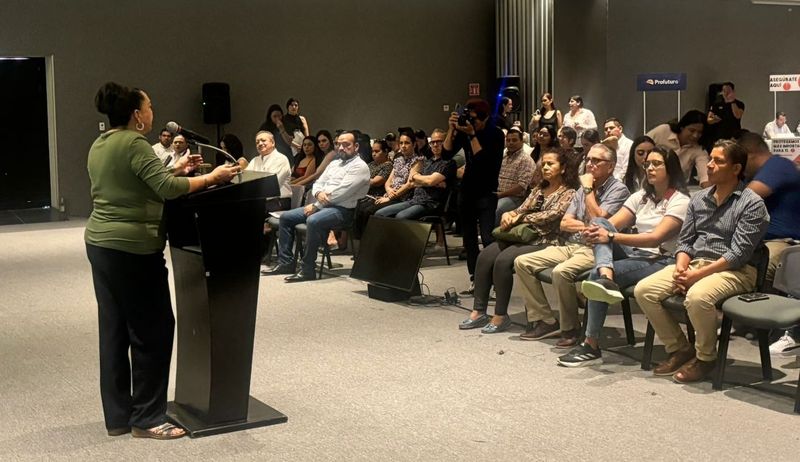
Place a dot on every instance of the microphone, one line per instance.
(176, 129)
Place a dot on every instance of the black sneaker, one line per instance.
(580, 356)
(602, 290)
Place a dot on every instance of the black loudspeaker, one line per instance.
(216, 103)
(508, 87)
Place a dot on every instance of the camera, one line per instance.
(464, 116)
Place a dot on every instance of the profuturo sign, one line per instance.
(661, 82)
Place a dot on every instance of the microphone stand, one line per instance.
(228, 156)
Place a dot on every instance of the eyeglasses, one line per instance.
(596, 160)
(656, 164)
(432, 142)
(537, 207)
(343, 145)
(643, 152)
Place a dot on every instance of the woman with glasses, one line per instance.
(541, 212)
(657, 211)
(546, 116)
(635, 174)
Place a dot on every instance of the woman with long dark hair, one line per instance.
(683, 137)
(546, 115)
(125, 243)
(657, 211)
(273, 123)
(544, 138)
(306, 161)
(635, 176)
(541, 212)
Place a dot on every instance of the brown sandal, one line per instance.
(165, 431)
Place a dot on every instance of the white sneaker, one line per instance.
(785, 346)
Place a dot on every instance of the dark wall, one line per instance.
(368, 64)
(710, 40)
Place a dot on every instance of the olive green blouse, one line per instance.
(129, 186)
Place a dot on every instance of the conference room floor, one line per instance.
(366, 380)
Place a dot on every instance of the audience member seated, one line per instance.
(544, 139)
(305, 162)
(274, 124)
(379, 170)
(398, 186)
(777, 182)
(616, 140)
(657, 211)
(516, 173)
(777, 128)
(233, 146)
(540, 215)
(723, 226)
(423, 148)
(601, 195)
(343, 183)
(567, 137)
(635, 174)
(683, 137)
(164, 146)
(589, 138)
(271, 162)
(180, 147)
(391, 140)
(430, 185)
(578, 117)
(325, 142)
(546, 115)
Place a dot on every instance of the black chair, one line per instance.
(675, 305)
(775, 312)
(439, 221)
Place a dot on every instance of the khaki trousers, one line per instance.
(775, 248)
(568, 261)
(700, 304)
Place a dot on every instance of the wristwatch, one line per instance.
(587, 189)
(611, 236)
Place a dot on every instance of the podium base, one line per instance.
(258, 415)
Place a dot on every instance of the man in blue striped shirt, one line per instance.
(723, 226)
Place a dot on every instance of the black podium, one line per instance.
(216, 238)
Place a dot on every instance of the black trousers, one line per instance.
(495, 267)
(476, 213)
(365, 208)
(134, 312)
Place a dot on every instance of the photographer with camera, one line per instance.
(469, 129)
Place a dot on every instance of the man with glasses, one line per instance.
(163, 148)
(431, 185)
(336, 192)
(723, 226)
(600, 196)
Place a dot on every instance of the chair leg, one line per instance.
(797, 398)
(585, 321)
(763, 348)
(690, 330)
(647, 354)
(626, 316)
(722, 352)
(444, 238)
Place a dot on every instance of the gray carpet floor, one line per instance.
(366, 380)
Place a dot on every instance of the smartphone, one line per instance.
(752, 297)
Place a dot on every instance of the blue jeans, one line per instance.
(319, 224)
(404, 211)
(627, 272)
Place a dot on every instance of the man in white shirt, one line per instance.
(269, 160)
(180, 147)
(164, 146)
(336, 192)
(777, 128)
(620, 143)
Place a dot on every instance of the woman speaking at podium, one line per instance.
(125, 241)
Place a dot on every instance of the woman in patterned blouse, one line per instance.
(542, 212)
